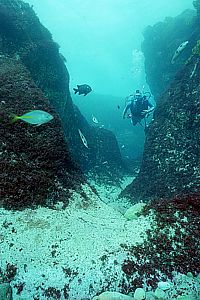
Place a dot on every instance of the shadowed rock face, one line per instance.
(159, 45)
(36, 166)
(196, 4)
(102, 155)
(171, 161)
(23, 37)
(35, 163)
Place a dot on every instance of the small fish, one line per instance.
(34, 117)
(123, 146)
(82, 89)
(118, 106)
(94, 119)
(194, 69)
(178, 51)
(83, 139)
(105, 162)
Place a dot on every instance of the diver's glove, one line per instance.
(145, 112)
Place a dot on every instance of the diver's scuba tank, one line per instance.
(127, 99)
(147, 94)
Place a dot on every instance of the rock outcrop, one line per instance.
(102, 156)
(23, 37)
(159, 45)
(170, 170)
(171, 162)
(36, 165)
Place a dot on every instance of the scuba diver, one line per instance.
(140, 107)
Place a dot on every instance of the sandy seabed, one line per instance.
(70, 253)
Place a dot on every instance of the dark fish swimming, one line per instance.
(82, 89)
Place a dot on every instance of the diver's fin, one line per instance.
(75, 90)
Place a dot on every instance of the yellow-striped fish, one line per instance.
(34, 117)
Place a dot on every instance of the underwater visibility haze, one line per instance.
(99, 150)
(99, 38)
(101, 41)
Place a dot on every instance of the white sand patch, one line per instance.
(75, 248)
(109, 194)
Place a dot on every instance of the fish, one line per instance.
(118, 106)
(82, 89)
(34, 117)
(178, 51)
(83, 139)
(194, 69)
(94, 119)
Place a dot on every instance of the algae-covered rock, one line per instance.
(36, 165)
(160, 43)
(24, 38)
(171, 164)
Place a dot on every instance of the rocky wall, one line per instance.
(171, 161)
(160, 43)
(170, 165)
(36, 165)
(23, 37)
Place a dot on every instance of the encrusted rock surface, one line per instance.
(171, 161)
(160, 43)
(36, 166)
(170, 174)
(22, 36)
